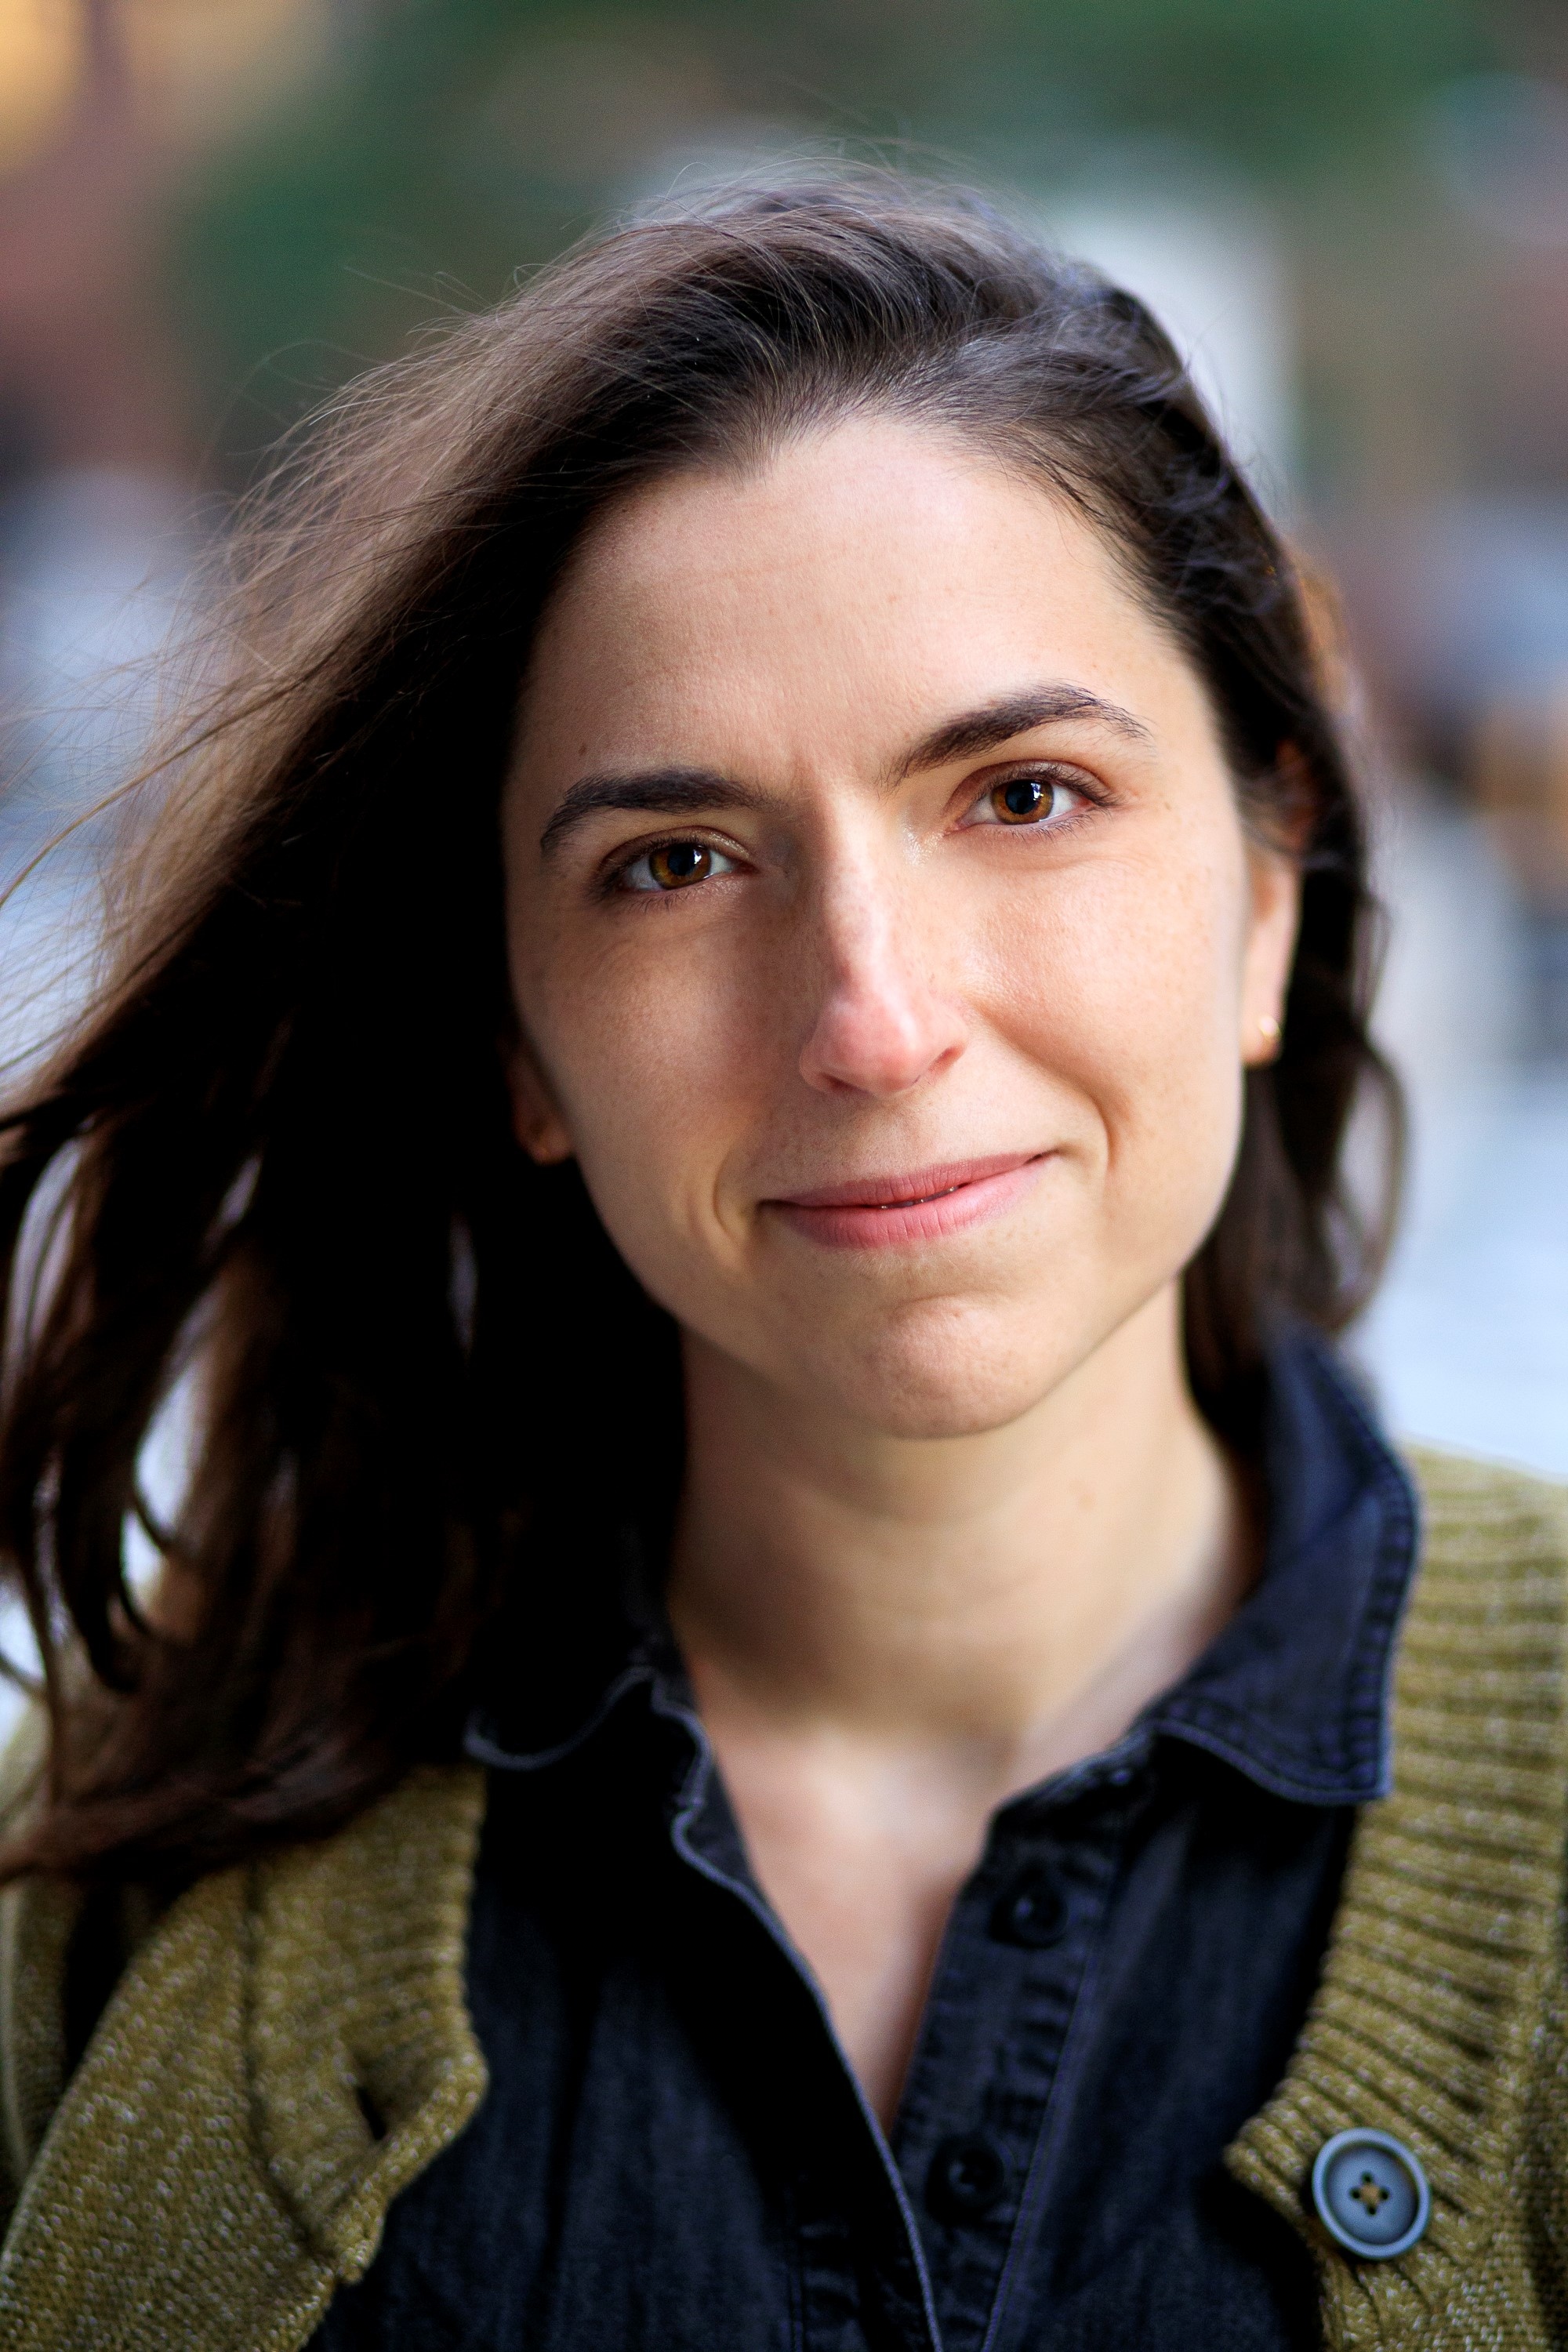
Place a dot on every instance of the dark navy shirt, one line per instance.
(673, 2156)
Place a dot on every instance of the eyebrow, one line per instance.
(662, 791)
(995, 724)
(689, 791)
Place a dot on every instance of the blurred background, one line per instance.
(1353, 213)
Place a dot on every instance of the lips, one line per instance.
(921, 1205)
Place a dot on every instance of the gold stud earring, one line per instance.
(1268, 1028)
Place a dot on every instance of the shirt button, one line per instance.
(968, 2175)
(1031, 1910)
(1371, 2193)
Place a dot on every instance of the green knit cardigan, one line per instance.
(208, 2177)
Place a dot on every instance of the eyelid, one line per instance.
(1041, 763)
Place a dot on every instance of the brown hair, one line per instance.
(277, 1149)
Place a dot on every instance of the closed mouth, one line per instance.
(907, 1191)
(918, 1205)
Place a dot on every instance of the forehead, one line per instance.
(860, 580)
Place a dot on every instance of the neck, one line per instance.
(1017, 1595)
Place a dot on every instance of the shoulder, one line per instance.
(1467, 1484)
(271, 1989)
(1488, 1526)
(37, 1917)
(1483, 1638)
(22, 1761)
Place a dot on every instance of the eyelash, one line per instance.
(615, 883)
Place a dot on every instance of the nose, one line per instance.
(881, 1025)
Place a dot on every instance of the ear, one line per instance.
(1273, 923)
(536, 1120)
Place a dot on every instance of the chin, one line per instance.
(939, 1371)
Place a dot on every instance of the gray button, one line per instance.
(1371, 2193)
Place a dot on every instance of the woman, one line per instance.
(767, 1720)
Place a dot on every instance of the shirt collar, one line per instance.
(1294, 1692)
(594, 1631)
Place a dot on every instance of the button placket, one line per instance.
(1008, 1985)
(969, 2176)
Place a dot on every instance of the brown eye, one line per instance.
(1020, 800)
(674, 865)
(1040, 802)
(679, 863)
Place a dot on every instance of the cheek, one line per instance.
(659, 1057)
(1124, 982)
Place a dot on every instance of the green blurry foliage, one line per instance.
(1281, 86)
(452, 144)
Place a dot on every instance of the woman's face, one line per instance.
(885, 944)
